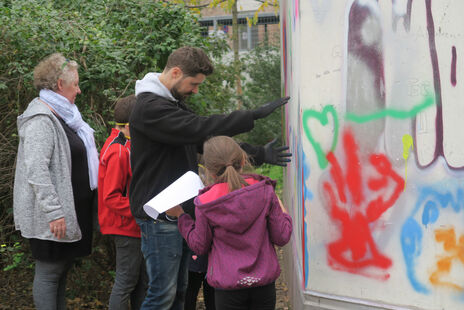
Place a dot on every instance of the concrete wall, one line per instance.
(376, 126)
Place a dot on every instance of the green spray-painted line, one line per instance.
(323, 119)
(400, 114)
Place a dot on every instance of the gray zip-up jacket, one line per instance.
(42, 187)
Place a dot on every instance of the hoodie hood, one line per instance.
(34, 108)
(238, 210)
(151, 84)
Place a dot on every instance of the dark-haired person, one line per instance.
(114, 215)
(166, 137)
(56, 173)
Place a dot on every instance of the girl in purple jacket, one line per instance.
(239, 219)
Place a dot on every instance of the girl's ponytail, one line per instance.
(232, 177)
(224, 159)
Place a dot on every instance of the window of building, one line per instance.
(248, 37)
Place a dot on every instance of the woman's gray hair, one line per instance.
(52, 68)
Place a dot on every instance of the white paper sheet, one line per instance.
(184, 188)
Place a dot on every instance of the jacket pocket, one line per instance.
(123, 221)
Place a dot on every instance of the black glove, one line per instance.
(275, 156)
(269, 107)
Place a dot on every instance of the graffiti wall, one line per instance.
(376, 126)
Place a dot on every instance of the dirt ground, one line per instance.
(89, 284)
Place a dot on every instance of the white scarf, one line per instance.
(72, 117)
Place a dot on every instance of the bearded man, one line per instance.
(166, 138)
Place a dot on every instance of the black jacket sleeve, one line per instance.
(171, 123)
(255, 153)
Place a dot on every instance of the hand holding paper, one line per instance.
(184, 188)
(175, 212)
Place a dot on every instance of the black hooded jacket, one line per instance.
(166, 137)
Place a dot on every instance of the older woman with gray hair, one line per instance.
(56, 174)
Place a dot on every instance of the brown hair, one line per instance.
(224, 159)
(123, 109)
(52, 68)
(191, 60)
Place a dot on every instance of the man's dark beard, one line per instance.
(176, 94)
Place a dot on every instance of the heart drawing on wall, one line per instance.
(323, 119)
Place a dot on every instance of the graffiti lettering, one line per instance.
(456, 252)
(453, 66)
(427, 209)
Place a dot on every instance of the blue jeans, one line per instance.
(166, 257)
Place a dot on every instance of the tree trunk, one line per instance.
(237, 64)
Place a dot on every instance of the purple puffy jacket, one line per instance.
(238, 230)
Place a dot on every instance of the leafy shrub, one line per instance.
(262, 84)
(115, 42)
(12, 256)
(273, 172)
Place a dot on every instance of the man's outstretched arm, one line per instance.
(268, 154)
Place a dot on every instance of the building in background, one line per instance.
(219, 22)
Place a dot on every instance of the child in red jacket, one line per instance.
(114, 215)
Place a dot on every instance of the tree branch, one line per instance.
(268, 2)
(199, 6)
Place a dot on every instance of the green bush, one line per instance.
(262, 69)
(12, 257)
(273, 172)
(115, 43)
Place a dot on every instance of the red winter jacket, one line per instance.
(114, 176)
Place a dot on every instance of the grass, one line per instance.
(273, 172)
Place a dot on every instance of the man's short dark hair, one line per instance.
(191, 60)
(123, 109)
